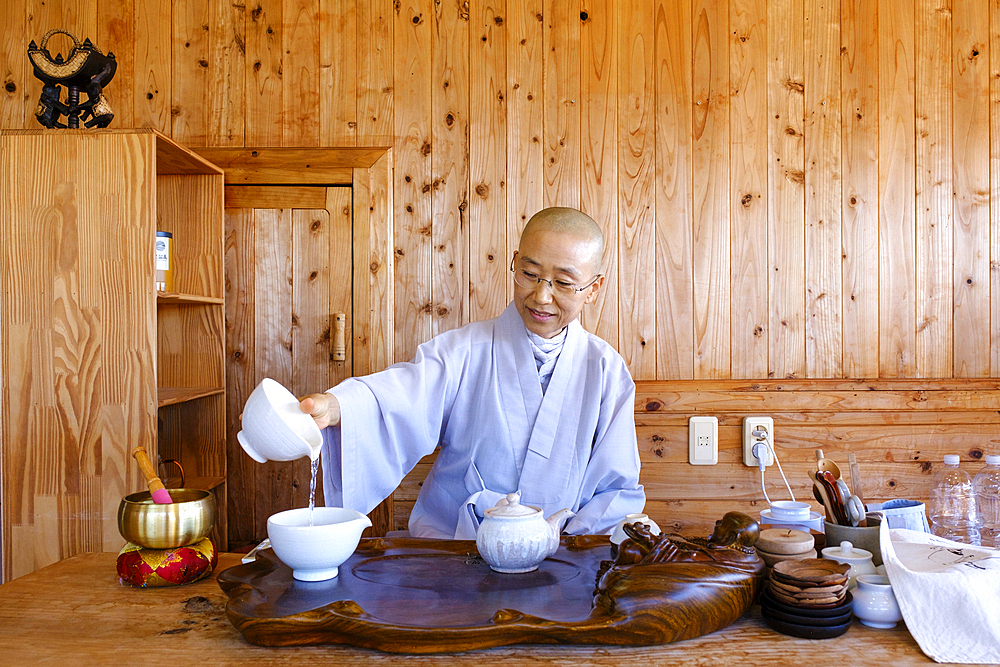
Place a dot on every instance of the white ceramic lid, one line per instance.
(848, 552)
(511, 507)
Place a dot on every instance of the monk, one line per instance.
(528, 402)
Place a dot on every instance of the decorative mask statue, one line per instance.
(85, 68)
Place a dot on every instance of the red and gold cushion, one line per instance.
(144, 567)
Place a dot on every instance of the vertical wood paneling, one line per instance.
(226, 93)
(152, 89)
(214, 74)
(489, 253)
(748, 185)
(374, 266)
(340, 206)
(14, 68)
(823, 245)
(897, 185)
(636, 175)
(300, 41)
(116, 33)
(859, 70)
(450, 165)
(312, 321)
(312, 246)
(710, 214)
(786, 181)
(338, 72)
(934, 189)
(264, 121)
(272, 340)
(241, 367)
(191, 44)
(971, 108)
(994, 189)
(525, 30)
(674, 305)
(561, 138)
(598, 144)
(376, 94)
(413, 217)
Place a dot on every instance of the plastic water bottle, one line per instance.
(953, 504)
(986, 486)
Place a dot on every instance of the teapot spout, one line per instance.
(555, 523)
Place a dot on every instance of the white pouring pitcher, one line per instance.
(275, 428)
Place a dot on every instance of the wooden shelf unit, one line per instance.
(93, 360)
(190, 363)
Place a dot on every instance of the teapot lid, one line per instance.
(511, 506)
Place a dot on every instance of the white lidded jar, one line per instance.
(953, 504)
(860, 560)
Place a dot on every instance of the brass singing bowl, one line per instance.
(188, 519)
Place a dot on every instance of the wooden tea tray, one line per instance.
(408, 595)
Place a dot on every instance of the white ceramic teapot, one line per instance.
(515, 538)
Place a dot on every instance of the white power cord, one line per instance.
(761, 464)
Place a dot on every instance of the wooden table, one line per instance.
(77, 613)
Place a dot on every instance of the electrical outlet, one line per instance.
(703, 441)
(758, 430)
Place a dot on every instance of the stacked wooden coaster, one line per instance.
(780, 544)
(808, 598)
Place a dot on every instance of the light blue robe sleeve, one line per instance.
(389, 421)
(610, 487)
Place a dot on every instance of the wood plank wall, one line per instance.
(792, 189)
(841, 152)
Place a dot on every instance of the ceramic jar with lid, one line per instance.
(874, 603)
(859, 560)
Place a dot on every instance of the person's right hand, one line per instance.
(323, 408)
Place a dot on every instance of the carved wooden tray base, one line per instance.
(434, 596)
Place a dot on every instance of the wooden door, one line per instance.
(288, 272)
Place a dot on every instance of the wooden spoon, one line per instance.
(824, 464)
(819, 488)
(852, 461)
(833, 493)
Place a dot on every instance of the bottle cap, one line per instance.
(951, 459)
(993, 459)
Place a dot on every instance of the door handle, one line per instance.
(339, 345)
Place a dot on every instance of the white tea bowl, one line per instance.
(316, 552)
(790, 510)
(275, 428)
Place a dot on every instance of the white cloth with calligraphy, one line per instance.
(475, 392)
(948, 593)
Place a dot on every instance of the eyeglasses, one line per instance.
(529, 280)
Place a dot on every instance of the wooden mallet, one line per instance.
(156, 486)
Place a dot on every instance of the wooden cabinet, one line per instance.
(93, 361)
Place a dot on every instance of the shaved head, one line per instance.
(571, 222)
